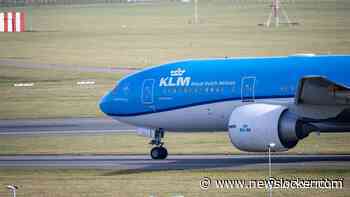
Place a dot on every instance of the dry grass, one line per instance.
(141, 35)
(138, 35)
(44, 183)
(144, 34)
(54, 94)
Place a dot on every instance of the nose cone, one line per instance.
(106, 103)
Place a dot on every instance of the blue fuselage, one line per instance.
(197, 82)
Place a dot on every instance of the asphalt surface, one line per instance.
(63, 126)
(141, 162)
(175, 162)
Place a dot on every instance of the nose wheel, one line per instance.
(158, 152)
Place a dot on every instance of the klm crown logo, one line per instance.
(176, 79)
(177, 73)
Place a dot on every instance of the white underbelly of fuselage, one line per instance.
(207, 117)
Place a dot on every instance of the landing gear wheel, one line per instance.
(164, 154)
(159, 153)
(155, 153)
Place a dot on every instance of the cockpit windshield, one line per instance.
(115, 87)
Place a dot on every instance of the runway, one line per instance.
(62, 126)
(141, 162)
(175, 162)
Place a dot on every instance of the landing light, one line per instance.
(271, 145)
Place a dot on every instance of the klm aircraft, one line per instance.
(260, 101)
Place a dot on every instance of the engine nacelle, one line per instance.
(254, 127)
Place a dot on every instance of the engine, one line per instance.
(254, 127)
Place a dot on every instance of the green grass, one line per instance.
(144, 34)
(177, 143)
(54, 94)
(157, 183)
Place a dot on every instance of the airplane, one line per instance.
(260, 101)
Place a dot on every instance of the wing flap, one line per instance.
(318, 90)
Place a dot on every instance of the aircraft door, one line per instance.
(147, 91)
(248, 89)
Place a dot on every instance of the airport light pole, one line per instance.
(269, 146)
(195, 11)
(13, 188)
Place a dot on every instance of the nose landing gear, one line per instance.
(159, 152)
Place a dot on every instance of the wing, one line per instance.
(318, 90)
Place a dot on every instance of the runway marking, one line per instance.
(67, 132)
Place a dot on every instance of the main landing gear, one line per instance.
(158, 152)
